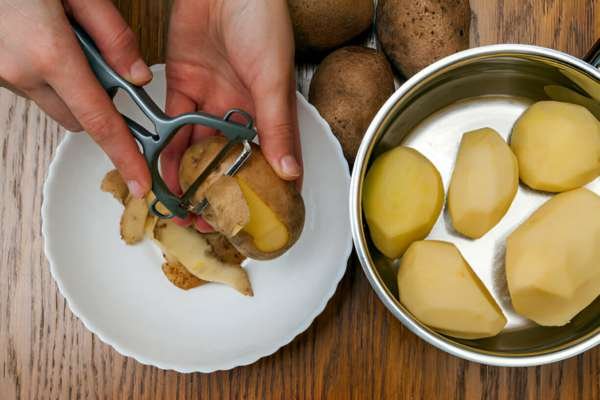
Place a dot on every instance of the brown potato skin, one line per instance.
(114, 184)
(348, 88)
(181, 277)
(415, 33)
(223, 249)
(281, 196)
(321, 25)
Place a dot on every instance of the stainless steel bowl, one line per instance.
(486, 86)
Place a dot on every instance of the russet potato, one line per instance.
(348, 88)
(402, 198)
(557, 145)
(553, 259)
(484, 182)
(441, 290)
(415, 33)
(321, 25)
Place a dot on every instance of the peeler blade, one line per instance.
(232, 170)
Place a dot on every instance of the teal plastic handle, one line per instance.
(165, 128)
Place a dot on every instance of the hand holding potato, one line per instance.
(233, 54)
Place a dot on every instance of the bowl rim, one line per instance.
(356, 219)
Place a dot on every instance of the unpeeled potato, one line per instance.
(441, 290)
(484, 182)
(415, 33)
(348, 88)
(402, 198)
(325, 24)
(553, 259)
(275, 208)
(557, 145)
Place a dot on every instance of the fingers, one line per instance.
(177, 103)
(170, 158)
(114, 38)
(75, 83)
(47, 99)
(202, 226)
(277, 125)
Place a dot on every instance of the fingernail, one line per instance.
(139, 71)
(136, 189)
(289, 166)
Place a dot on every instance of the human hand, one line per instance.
(42, 60)
(233, 54)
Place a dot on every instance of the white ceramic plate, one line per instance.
(121, 295)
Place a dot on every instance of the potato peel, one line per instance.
(209, 257)
(223, 249)
(133, 220)
(195, 253)
(114, 184)
(228, 210)
(179, 276)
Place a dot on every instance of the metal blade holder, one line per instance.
(166, 127)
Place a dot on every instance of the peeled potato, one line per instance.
(403, 196)
(441, 290)
(557, 145)
(553, 259)
(484, 182)
(275, 215)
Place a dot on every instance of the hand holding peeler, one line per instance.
(166, 127)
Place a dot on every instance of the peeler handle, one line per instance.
(593, 55)
(165, 128)
(110, 80)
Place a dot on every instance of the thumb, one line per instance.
(277, 125)
(114, 38)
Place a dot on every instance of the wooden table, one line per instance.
(355, 349)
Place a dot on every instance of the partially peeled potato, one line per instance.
(260, 214)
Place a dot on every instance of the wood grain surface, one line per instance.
(355, 349)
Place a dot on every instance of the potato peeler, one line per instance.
(166, 127)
